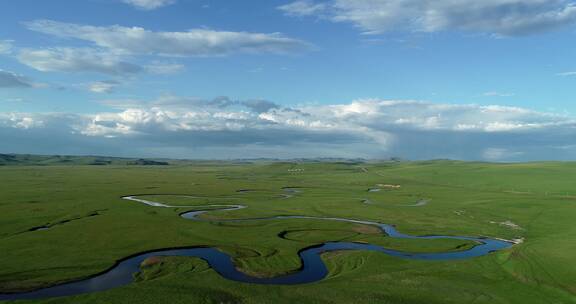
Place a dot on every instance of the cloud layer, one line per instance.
(195, 42)
(113, 50)
(173, 126)
(13, 80)
(149, 4)
(105, 86)
(502, 17)
(63, 59)
(5, 47)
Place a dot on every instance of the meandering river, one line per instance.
(313, 268)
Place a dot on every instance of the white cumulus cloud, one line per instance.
(222, 127)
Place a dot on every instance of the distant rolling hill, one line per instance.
(12, 159)
(61, 160)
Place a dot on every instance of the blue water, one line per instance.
(313, 268)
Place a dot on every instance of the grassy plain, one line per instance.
(90, 227)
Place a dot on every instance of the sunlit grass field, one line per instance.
(90, 227)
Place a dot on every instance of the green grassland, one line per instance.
(91, 227)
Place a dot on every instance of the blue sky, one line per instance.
(339, 78)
